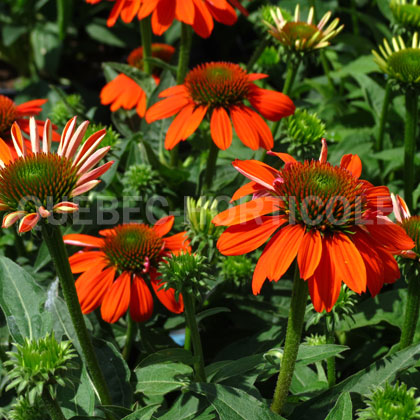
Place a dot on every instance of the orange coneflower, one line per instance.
(114, 268)
(37, 183)
(125, 92)
(333, 222)
(411, 224)
(197, 13)
(220, 89)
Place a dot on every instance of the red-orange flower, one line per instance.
(124, 92)
(219, 90)
(10, 112)
(114, 267)
(197, 13)
(333, 222)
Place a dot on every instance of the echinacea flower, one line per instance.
(411, 224)
(114, 268)
(332, 221)
(197, 13)
(219, 89)
(401, 63)
(38, 183)
(406, 14)
(10, 113)
(301, 36)
(123, 91)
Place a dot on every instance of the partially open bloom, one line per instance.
(406, 14)
(114, 268)
(219, 90)
(332, 221)
(401, 63)
(197, 13)
(124, 92)
(411, 224)
(303, 36)
(38, 183)
(10, 113)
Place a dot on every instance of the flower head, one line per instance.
(10, 113)
(301, 36)
(219, 90)
(402, 63)
(406, 14)
(332, 221)
(197, 13)
(123, 91)
(38, 183)
(390, 403)
(114, 268)
(411, 224)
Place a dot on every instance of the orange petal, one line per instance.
(240, 239)
(164, 225)
(194, 121)
(28, 222)
(163, 16)
(244, 129)
(257, 171)
(11, 218)
(30, 108)
(309, 253)
(249, 188)
(184, 11)
(141, 301)
(225, 15)
(115, 12)
(177, 243)
(260, 126)
(285, 157)
(353, 164)
(92, 286)
(176, 130)
(116, 299)
(167, 297)
(203, 21)
(79, 239)
(174, 90)
(5, 155)
(166, 108)
(349, 265)
(221, 128)
(84, 260)
(247, 211)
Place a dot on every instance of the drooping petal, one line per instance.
(184, 11)
(266, 140)
(117, 298)
(309, 253)
(86, 241)
(5, 155)
(225, 15)
(221, 128)
(30, 108)
(141, 300)
(115, 12)
(249, 188)
(164, 225)
(244, 129)
(257, 171)
(203, 21)
(176, 130)
(166, 297)
(247, 211)
(163, 16)
(166, 108)
(246, 237)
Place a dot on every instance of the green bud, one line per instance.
(67, 108)
(237, 268)
(111, 137)
(406, 14)
(316, 340)
(23, 410)
(140, 179)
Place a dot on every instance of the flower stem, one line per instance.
(211, 165)
(187, 341)
(146, 42)
(382, 120)
(411, 311)
(291, 345)
(411, 108)
(131, 335)
(330, 334)
(52, 406)
(292, 68)
(54, 240)
(191, 321)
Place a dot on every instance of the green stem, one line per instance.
(131, 335)
(146, 42)
(411, 311)
(382, 119)
(411, 107)
(326, 68)
(187, 341)
(354, 18)
(191, 321)
(330, 334)
(257, 53)
(292, 69)
(52, 406)
(54, 240)
(19, 244)
(211, 165)
(291, 345)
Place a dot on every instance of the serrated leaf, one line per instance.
(189, 407)
(161, 378)
(311, 354)
(144, 413)
(175, 354)
(343, 408)
(234, 404)
(21, 300)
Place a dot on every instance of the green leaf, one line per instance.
(161, 378)
(162, 64)
(210, 312)
(234, 404)
(189, 407)
(175, 354)
(379, 372)
(116, 372)
(311, 354)
(101, 33)
(144, 413)
(21, 300)
(342, 409)
(11, 33)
